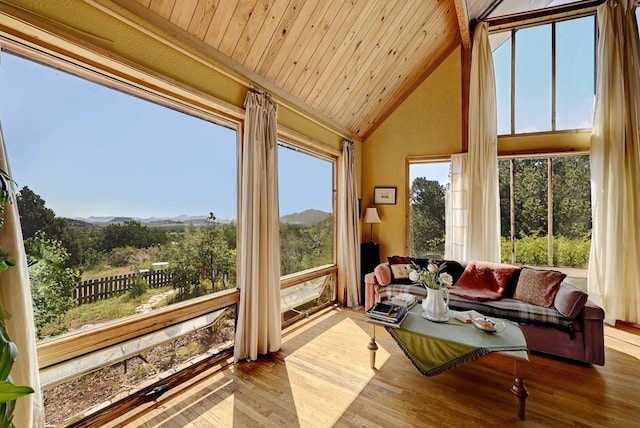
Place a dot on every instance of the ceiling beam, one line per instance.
(463, 22)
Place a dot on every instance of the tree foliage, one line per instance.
(427, 218)
(35, 217)
(52, 283)
(201, 254)
(129, 234)
(305, 247)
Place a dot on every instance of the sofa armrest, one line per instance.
(369, 290)
(593, 311)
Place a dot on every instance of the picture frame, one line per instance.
(384, 195)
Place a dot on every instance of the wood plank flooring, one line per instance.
(321, 378)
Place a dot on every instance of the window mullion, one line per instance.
(513, 82)
(553, 76)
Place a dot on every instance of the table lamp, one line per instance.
(370, 217)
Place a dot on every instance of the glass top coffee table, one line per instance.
(434, 348)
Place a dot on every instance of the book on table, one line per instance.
(387, 314)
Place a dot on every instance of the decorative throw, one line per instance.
(434, 348)
(538, 287)
(484, 280)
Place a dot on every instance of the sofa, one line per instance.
(556, 318)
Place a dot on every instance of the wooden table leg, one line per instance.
(373, 346)
(520, 391)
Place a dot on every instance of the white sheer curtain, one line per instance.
(614, 263)
(457, 211)
(259, 328)
(15, 297)
(477, 233)
(349, 249)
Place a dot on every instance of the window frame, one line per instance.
(304, 144)
(497, 26)
(152, 89)
(409, 160)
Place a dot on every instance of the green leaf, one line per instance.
(10, 392)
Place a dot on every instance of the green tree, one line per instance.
(427, 218)
(52, 283)
(572, 197)
(201, 254)
(129, 234)
(35, 217)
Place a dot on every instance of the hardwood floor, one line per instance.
(322, 378)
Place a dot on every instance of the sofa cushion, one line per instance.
(538, 287)
(484, 280)
(570, 300)
(400, 268)
(518, 311)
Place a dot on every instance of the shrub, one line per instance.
(139, 286)
(532, 250)
(122, 256)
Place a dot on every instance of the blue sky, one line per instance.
(88, 150)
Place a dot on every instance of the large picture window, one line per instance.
(545, 77)
(128, 208)
(548, 220)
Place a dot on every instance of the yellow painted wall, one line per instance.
(428, 122)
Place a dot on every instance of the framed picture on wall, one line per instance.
(384, 195)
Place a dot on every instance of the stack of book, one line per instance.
(387, 314)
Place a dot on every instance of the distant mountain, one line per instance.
(305, 218)
(148, 220)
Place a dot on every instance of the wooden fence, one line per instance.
(96, 289)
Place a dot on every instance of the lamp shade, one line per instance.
(371, 216)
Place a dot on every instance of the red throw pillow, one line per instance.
(485, 280)
(538, 287)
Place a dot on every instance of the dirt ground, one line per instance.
(71, 400)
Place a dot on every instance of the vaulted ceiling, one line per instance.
(350, 62)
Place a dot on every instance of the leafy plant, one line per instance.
(9, 392)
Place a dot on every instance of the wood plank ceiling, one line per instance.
(351, 61)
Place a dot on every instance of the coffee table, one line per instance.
(505, 354)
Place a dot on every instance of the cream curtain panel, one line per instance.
(349, 223)
(457, 213)
(15, 297)
(474, 199)
(484, 203)
(614, 263)
(259, 320)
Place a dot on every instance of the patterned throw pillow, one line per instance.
(400, 269)
(538, 287)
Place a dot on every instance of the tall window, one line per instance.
(545, 77)
(548, 221)
(127, 207)
(429, 185)
(305, 188)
